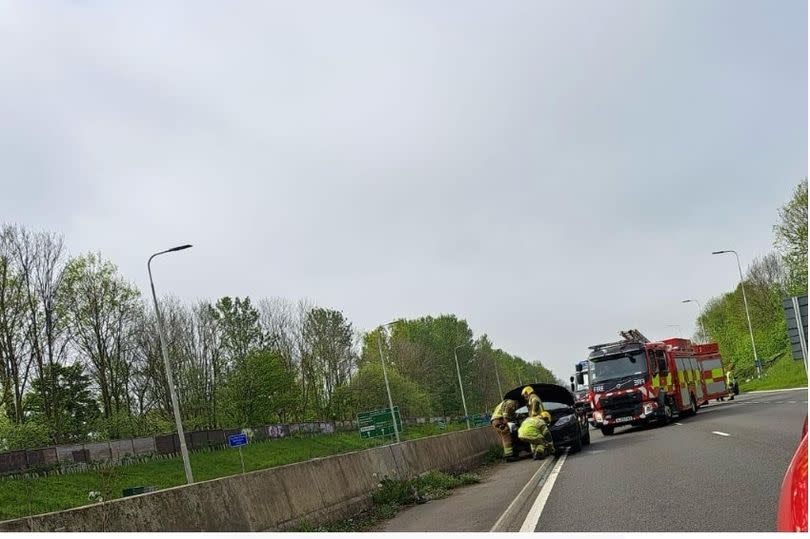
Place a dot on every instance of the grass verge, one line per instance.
(783, 374)
(394, 494)
(33, 494)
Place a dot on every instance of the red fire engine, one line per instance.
(635, 381)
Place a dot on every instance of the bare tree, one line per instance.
(39, 261)
(15, 353)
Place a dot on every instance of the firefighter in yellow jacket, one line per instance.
(541, 445)
(501, 416)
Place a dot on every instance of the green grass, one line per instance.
(21, 496)
(394, 494)
(783, 374)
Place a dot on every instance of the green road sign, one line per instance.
(378, 423)
(479, 420)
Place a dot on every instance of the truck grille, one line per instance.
(622, 405)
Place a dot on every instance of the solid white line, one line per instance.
(777, 390)
(533, 517)
(521, 496)
(717, 432)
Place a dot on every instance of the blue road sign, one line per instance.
(237, 440)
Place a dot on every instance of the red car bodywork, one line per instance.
(792, 510)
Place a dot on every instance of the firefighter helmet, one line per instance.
(528, 390)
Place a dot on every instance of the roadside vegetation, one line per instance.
(33, 494)
(80, 357)
(392, 495)
(768, 280)
(783, 374)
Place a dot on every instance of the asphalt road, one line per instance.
(719, 471)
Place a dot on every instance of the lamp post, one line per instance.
(387, 387)
(745, 302)
(461, 386)
(498, 378)
(700, 312)
(169, 378)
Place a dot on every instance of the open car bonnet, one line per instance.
(546, 392)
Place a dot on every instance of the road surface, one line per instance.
(719, 471)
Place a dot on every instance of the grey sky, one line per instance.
(552, 172)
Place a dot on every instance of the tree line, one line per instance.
(80, 356)
(770, 278)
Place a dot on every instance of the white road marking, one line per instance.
(717, 432)
(530, 524)
(793, 402)
(678, 423)
(778, 390)
(521, 496)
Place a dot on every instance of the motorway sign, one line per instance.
(378, 423)
(237, 440)
(796, 317)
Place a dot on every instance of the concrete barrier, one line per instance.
(314, 491)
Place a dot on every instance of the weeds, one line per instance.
(493, 454)
(392, 495)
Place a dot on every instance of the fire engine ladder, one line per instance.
(629, 336)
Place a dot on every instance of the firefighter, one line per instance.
(536, 411)
(731, 383)
(501, 416)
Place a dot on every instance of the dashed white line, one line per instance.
(530, 524)
(791, 402)
(681, 424)
(717, 432)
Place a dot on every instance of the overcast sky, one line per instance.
(552, 172)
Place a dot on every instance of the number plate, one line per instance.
(623, 419)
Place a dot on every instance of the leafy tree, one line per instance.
(367, 390)
(327, 362)
(791, 238)
(71, 398)
(259, 390)
(101, 308)
(239, 326)
(26, 435)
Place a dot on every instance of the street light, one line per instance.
(747, 315)
(387, 387)
(461, 387)
(175, 406)
(498, 378)
(700, 311)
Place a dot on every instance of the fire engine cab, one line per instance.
(635, 381)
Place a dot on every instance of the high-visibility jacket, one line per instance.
(505, 410)
(535, 405)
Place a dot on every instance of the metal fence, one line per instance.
(46, 458)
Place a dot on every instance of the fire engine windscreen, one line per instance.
(618, 366)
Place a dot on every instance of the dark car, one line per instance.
(569, 422)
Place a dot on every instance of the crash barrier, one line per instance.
(76, 455)
(314, 491)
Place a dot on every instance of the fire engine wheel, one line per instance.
(606, 431)
(693, 408)
(667, 418)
